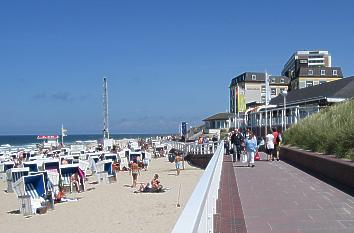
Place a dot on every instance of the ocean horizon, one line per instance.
(19, 140)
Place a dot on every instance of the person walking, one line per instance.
(178, 161)
(269, 145)
(237, 141)
(251, 148)
(277, 140)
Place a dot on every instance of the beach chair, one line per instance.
(105, 171)
(13, 175)
(30, 191)
(133, 155)
(4, 167)
(113, 157)
(68, 158)
(33, 166)
(66, 171)
(124, 163)
(51, 165)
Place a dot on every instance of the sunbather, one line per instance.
(154, 186)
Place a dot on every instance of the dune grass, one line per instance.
(331, 131)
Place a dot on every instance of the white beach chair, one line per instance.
(4, 167)
(105, 171)
(30, 190)
(13, 175)
(66, 171)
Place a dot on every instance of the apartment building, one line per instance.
(251, 87)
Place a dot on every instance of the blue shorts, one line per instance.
(179, 165)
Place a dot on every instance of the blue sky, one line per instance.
(166, 61)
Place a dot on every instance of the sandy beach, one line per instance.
(109, 207)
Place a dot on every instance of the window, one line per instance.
(263, 89)
(309, 83)
(310, 72)
(323, 72)
(303, 61)
(254, 77)
(263, 99)
(335, 72)
(281, 90)
(282, 80)
(273, 91)
(272, 80)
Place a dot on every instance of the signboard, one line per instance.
(51, 137)
(241, 101)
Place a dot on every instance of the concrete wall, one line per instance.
(335, 169)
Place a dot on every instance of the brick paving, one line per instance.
(229, 217)
(279, 198)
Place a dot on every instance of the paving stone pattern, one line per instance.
(279, 198)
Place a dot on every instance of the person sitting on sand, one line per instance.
(134, 169)
(154, 186)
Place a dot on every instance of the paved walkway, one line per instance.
(279, 198)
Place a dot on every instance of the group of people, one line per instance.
(247, 142)
(273, 141)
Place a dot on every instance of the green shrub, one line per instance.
(330, 131)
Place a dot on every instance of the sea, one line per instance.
(23, 140)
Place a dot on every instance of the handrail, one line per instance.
(198, 213)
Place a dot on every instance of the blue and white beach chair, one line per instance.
(113, 157)
(51, 165)
(33, 166)
(66, 171)
(13, 175)
(4, 167)
(30, 191)
(105, 171)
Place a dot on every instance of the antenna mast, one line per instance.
(105, 109)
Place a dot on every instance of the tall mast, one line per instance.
(105, 109)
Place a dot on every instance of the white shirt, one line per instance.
(269, 141)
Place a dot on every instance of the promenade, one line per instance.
(279, 198)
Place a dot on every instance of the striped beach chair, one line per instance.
(66, 171)
(105, 171)
(13, 175)
(33, 166)
(30, 190)
(51, 165)
(4, 167)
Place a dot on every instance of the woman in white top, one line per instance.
(270, 146)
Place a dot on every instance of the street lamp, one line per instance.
(284, 94)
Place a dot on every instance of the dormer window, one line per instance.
(282, 80)
(335, 72)
(254, 77)
(272, 80)
(310, 72)
(323, 72)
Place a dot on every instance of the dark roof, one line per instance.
(219, 116)
(257, 77)
(342, 88)
(304, 72)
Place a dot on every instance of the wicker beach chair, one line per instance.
(13, 175)
(30, 190)
(66, 171)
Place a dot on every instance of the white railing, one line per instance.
(198, 214)
(193, 148)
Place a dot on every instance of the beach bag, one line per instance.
(244, 158)
(257, 157)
